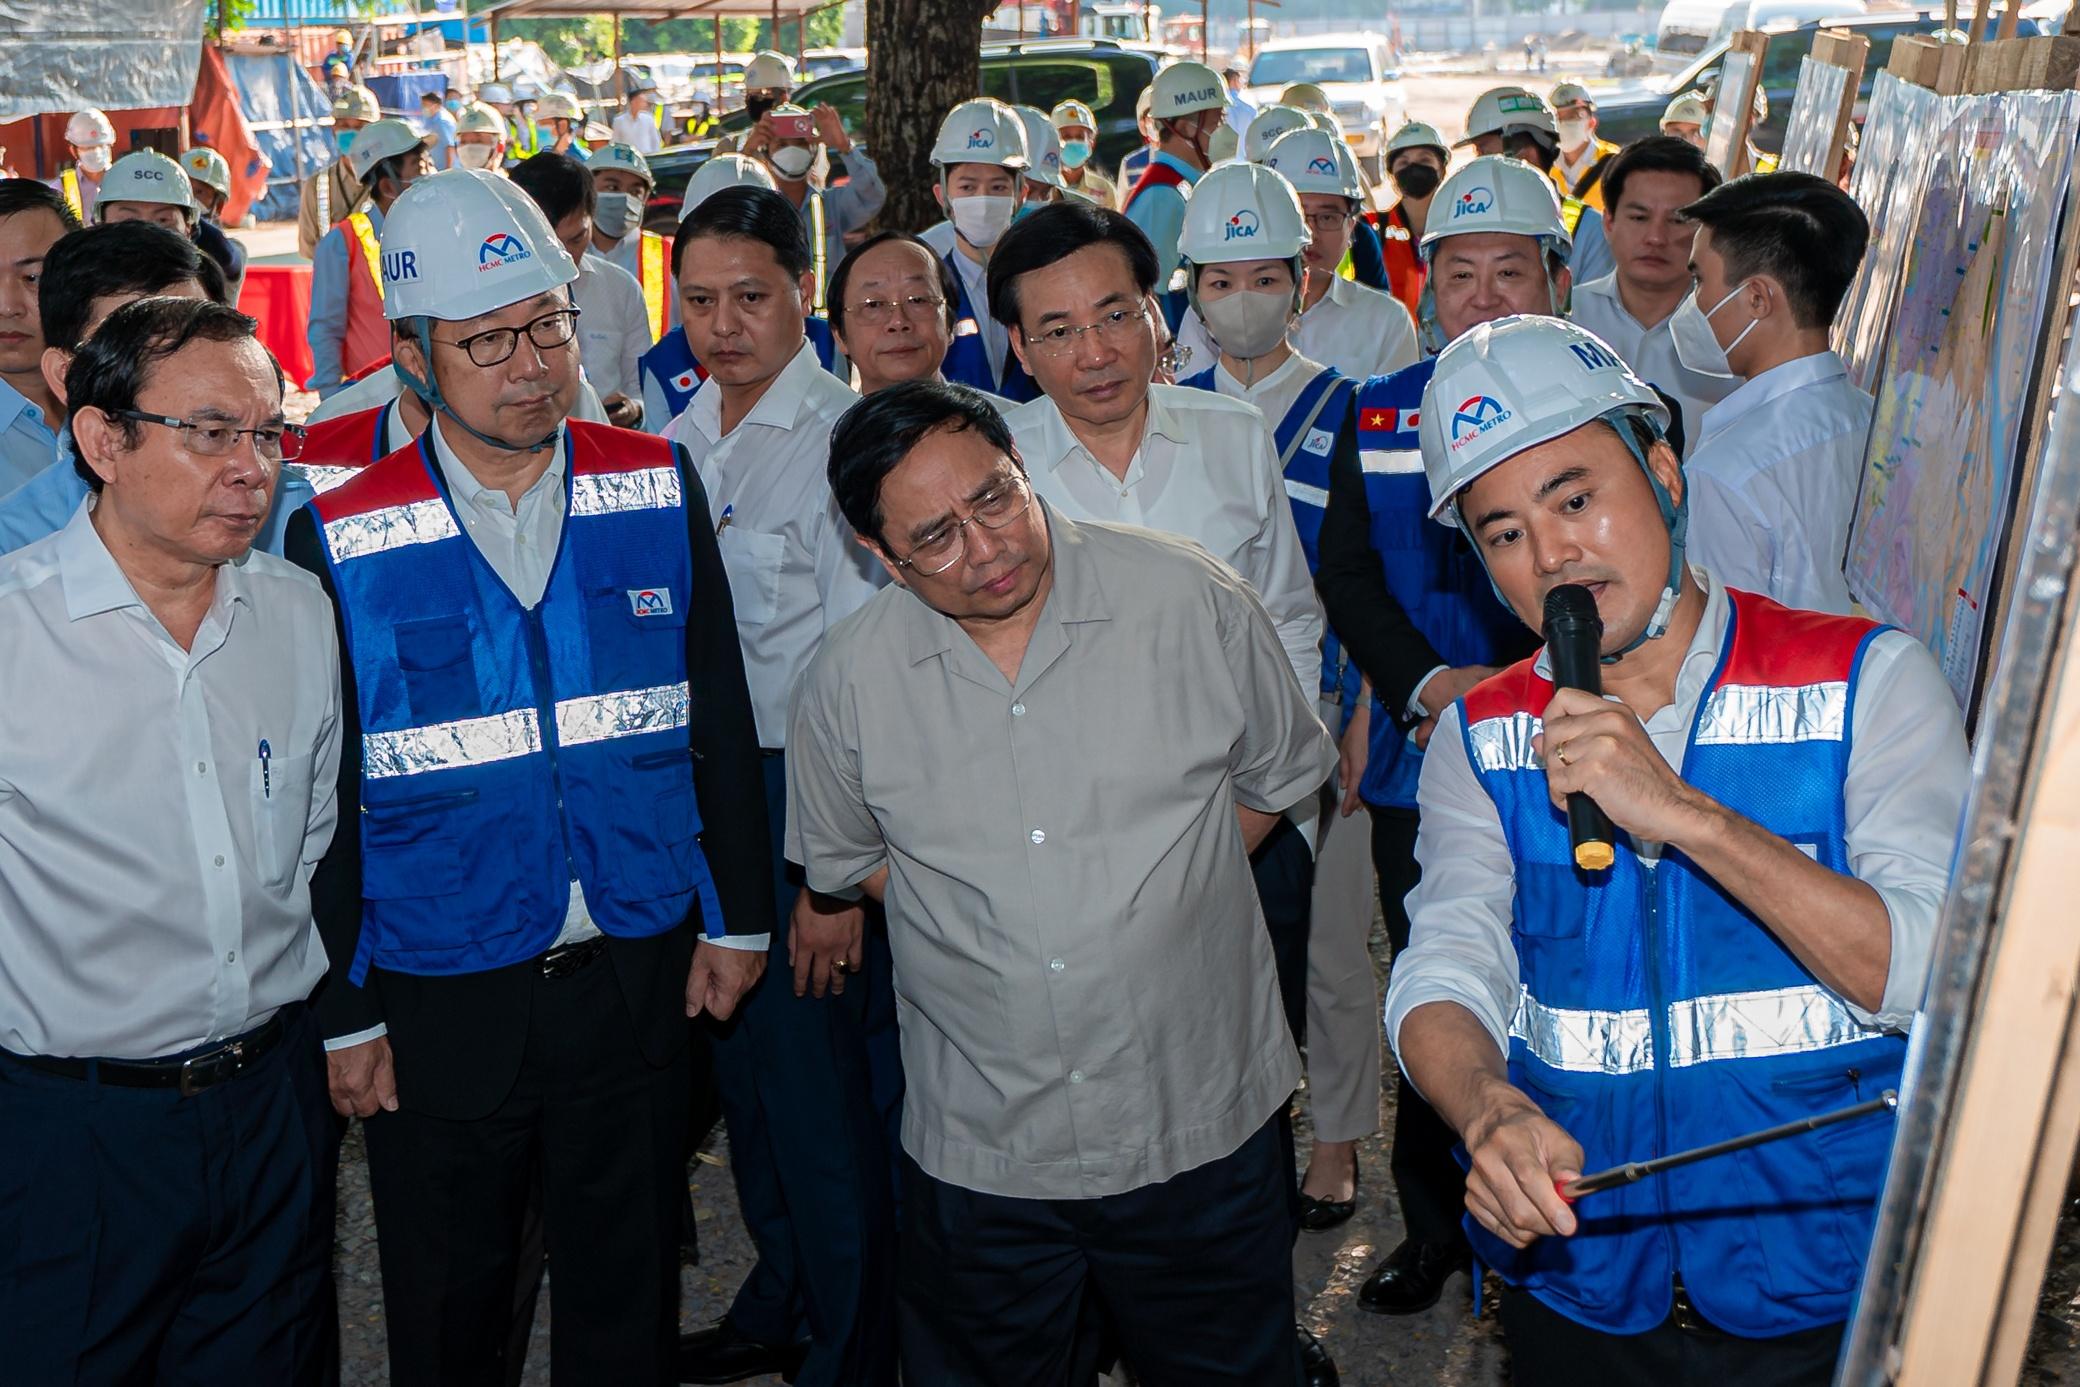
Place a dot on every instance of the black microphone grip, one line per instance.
(1574, 647)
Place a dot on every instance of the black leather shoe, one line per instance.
(723, 1353)
(1320, 1368)
(1320, 1215)
(1412, 1278)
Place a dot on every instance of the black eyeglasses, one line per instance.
(210, 438)
(495, 346)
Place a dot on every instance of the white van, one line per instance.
(1783, 14)
(1686, 29)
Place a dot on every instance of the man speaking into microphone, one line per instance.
(1782, 790)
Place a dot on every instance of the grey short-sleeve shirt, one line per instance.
(1086, 989)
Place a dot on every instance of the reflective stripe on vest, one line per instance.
(655, 279)
(967, 356)
(364, 232)
(816, 242)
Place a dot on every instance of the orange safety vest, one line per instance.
(368, 332)
(1405, 269)
(656, 280)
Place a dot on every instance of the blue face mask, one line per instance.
(343, 138)
(1075, 153)
(453, 103)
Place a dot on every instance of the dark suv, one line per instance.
(1106, 76)
(1623, 118)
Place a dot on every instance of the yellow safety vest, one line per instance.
(365, 232)
(654, 279)
(68, 183)
(1571, 209)
(527, 138)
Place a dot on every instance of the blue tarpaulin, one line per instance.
(273, 90)
(399, 94)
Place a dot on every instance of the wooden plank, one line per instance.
(1736, 106)
(1849, 52)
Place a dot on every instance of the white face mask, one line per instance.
(614, 214)
(476, 156)
(792, 161)
(96, 158)
(1697, 346)
(1573, 133)
(982, 221)
(1249, 324)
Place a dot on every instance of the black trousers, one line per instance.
(603, 1131)
(1547, 1349)
(1431, 1184)
(1283, 869)
(151, 1238)
(1193, 1277)
(809, 1155)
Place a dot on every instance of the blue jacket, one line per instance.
(967, 360)
(1431, 570)
(1657, 1014)
(506, 751)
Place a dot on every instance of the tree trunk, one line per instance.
(924, 58)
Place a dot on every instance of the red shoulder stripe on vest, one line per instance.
(1516, 689)
(346, 441)
(603, 448)
(1779, 645)
(1154, 176)
(398, 480)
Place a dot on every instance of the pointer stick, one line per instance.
(1639, 1170)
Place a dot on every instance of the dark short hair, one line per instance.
(1053, 232)
(1534, 147)
(874, 436)
(559, 185)
(840, 277)
(749, 214)
(1797, 228)
(113, 367)
(1657, 154)
(114, 258)
(27, 195)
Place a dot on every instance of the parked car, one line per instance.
(1358, 73)
(1108, 76)
(1629, 114)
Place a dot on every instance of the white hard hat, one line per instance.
(465, 242)
(1326, 120)
(1571, 94)
(1223, 144)
(496, 93)
(1184, 89)
(1688, 108)
(1497, 193)
(981, 131)
(1305, 96)
(1507, 386)
(88, 128)
(1043, 146)
(477, 118)
(383, 140)
(146, 175)
(1265, 128)
(1072, 112)
(725, 171)
(1417, 135)
(356, 103)
(1315, 161)
(1501, 110)
(558, 106)
(205, 166)
(622, 157)
(1242, 211)
(769, 71)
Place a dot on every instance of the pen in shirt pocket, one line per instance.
(728, 514)
(266, 775)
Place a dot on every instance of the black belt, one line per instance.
(564, 961)
(191, 1075)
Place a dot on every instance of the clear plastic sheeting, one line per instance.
(1816, 108)
(1899, 138)
(1959, 374)
(57, 56)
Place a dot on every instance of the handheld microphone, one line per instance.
(1574, 646)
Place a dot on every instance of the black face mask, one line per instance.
(757, 106)
(1417, 180)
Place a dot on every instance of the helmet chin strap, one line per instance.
(1430, 332)
(429, 390)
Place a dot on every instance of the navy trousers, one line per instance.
(151, 1238)
(808, 1151)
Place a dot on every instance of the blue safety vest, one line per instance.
(1306, 442)
(507, 751)
(1657, 1014)
(967, 360)
(1430, 568)
(678, 374)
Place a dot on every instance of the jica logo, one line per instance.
(1242, 226)
(501, 248)
(1473, 202)
(982, 139)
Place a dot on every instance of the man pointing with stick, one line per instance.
(1782, 789)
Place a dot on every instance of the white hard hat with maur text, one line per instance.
(1242, 211)
(1184, 89)
(1315, 161)
(466, 242)
(981, 131)
(1497, 193)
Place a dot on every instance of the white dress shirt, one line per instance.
(381, 387)
(795, 569)
(638, 132)
(1908, 774)
(613, 326)
(1650, 352)
(1273, 394)
(1356, 329)
(155, 861)
(1773, 480)
(1205, 470)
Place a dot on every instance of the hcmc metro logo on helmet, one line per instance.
(1473, 202)
(502, 248)
(1242, 226)
(982, 139)
(1321, 164)
(1475, 417)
